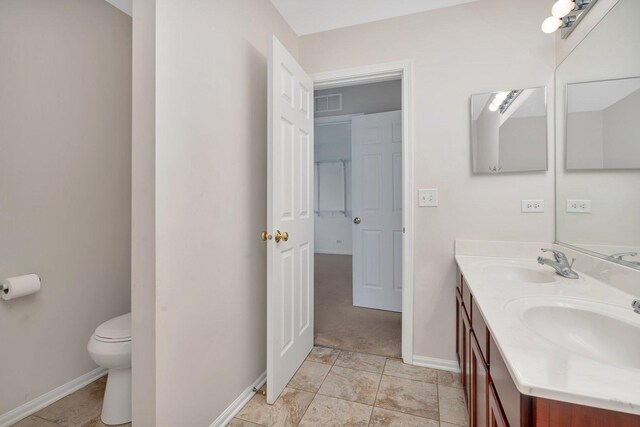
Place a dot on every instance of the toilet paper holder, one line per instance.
(4, 288)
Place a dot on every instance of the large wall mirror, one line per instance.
(598, 139)
(603, 124)
(509, 131)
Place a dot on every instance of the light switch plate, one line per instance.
(529, 206)
(428, 197)
(579, 206)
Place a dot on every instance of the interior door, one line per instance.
(290, 219)
(376, 149)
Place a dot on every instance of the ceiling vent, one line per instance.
(328, 103)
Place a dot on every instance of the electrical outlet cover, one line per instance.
(579, 206)
(534, 206)
(428, 197)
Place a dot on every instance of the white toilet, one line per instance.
(110, 347)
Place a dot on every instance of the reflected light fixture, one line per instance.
(566, 14)
(498, 99)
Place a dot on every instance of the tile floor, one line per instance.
(343, 388)
(331, 388)
(80, 409)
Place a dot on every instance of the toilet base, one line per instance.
(116, 407)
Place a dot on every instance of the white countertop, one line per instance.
(538, 366)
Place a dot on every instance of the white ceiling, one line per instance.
(598, 96)
(314, 16)
(124, 5)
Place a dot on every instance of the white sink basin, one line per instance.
(517, 273)
(607, 333)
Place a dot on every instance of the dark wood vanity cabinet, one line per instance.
(492, 397)
(496, 417)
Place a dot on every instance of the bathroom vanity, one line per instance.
(535, 349)
(540, 349)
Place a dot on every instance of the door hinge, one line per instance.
(403, 230)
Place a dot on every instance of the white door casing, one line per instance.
(372, 74)
(377, 202)
(290, 210)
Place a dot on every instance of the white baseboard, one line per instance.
(33, 406)
(228, 414)
(432, 362)
(332, 252)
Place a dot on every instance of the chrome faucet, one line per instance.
(620, 257)
(560, 264)
(636, 305)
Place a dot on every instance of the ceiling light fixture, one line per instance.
(562, 8)
(566, 14)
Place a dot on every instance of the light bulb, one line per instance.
(562, 8)
(500, 96)
(551, 24)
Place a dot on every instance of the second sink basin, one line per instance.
(602, 332)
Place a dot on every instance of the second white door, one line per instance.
(377, 210)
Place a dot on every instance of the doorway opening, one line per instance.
(358, 218)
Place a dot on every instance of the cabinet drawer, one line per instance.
(480, 328)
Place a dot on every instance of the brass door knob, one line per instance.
(281, 236)
(265, 236)
(357, 220)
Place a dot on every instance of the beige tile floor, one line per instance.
(331, 388)
(80, 409)
(343, 388)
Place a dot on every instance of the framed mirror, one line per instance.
(509, 131)
(598, 140)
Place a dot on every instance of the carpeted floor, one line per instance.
(338, 324)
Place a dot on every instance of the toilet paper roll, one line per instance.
(19, 286)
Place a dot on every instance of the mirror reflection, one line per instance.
(509, 131)
(598, 140)
(603, 130)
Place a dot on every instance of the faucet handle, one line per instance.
(556, 254)
(621, 255)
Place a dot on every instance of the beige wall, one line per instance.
(65, 185)
(211, 164)
(473, 48)
(143, 227)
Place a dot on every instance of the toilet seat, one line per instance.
(115, 330)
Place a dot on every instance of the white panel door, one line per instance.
(377, 210)
(290, 211)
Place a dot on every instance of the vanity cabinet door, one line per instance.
(496, 417)
(479, 409)
(466, 354)
(459, 340)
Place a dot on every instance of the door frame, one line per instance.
(380, 73)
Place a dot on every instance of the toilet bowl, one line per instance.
(110, 347)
